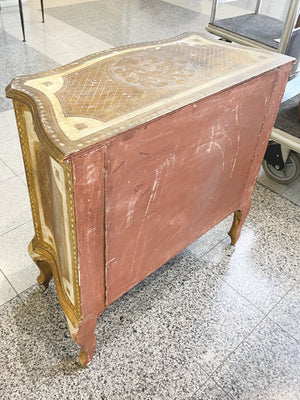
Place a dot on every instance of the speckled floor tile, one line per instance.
(261, 198)
(130, 307)
(210, 391)
(211, 318)
(47, 311)
(258, 273)
(131, 21)
(265, 366)
(264, 263)
(207, 323)
(27, 355)
(150, 341)
(287, 313)
(277, 219)
(126, 369)
(137, 356)
(206, 242)
(76, 390)
(277, 226)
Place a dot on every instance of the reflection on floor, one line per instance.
(216, 322)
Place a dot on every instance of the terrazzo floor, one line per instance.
(215, 322)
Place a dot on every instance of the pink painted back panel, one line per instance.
(171, 180)
(88, 172)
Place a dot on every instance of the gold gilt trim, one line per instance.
(39, 250)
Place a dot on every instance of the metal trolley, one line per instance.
(281, 162)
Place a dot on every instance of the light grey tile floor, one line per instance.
(216, 322)
(130, 21)
(184, 332)
(17, 58)
(14, 205)
(287, 312)
(15, 261)
(210, 391)
(7, 291)
(267, 356)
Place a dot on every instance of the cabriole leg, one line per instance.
(42, 263)
(45, 273)
(86, 339)
(238, 221)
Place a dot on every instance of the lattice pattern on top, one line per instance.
(120, 85)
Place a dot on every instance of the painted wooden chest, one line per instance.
(134, 153)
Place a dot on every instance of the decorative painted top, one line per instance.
(107, 93)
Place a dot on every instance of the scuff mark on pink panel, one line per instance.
(89, 197)
(197, 169)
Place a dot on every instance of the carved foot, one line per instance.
(234, 227)
(41, 258)
(45, 273)
(85, 338)
(238, 221)
(86, 355)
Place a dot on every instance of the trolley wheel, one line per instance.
(288, 174)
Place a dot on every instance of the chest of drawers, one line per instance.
(134, 153)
